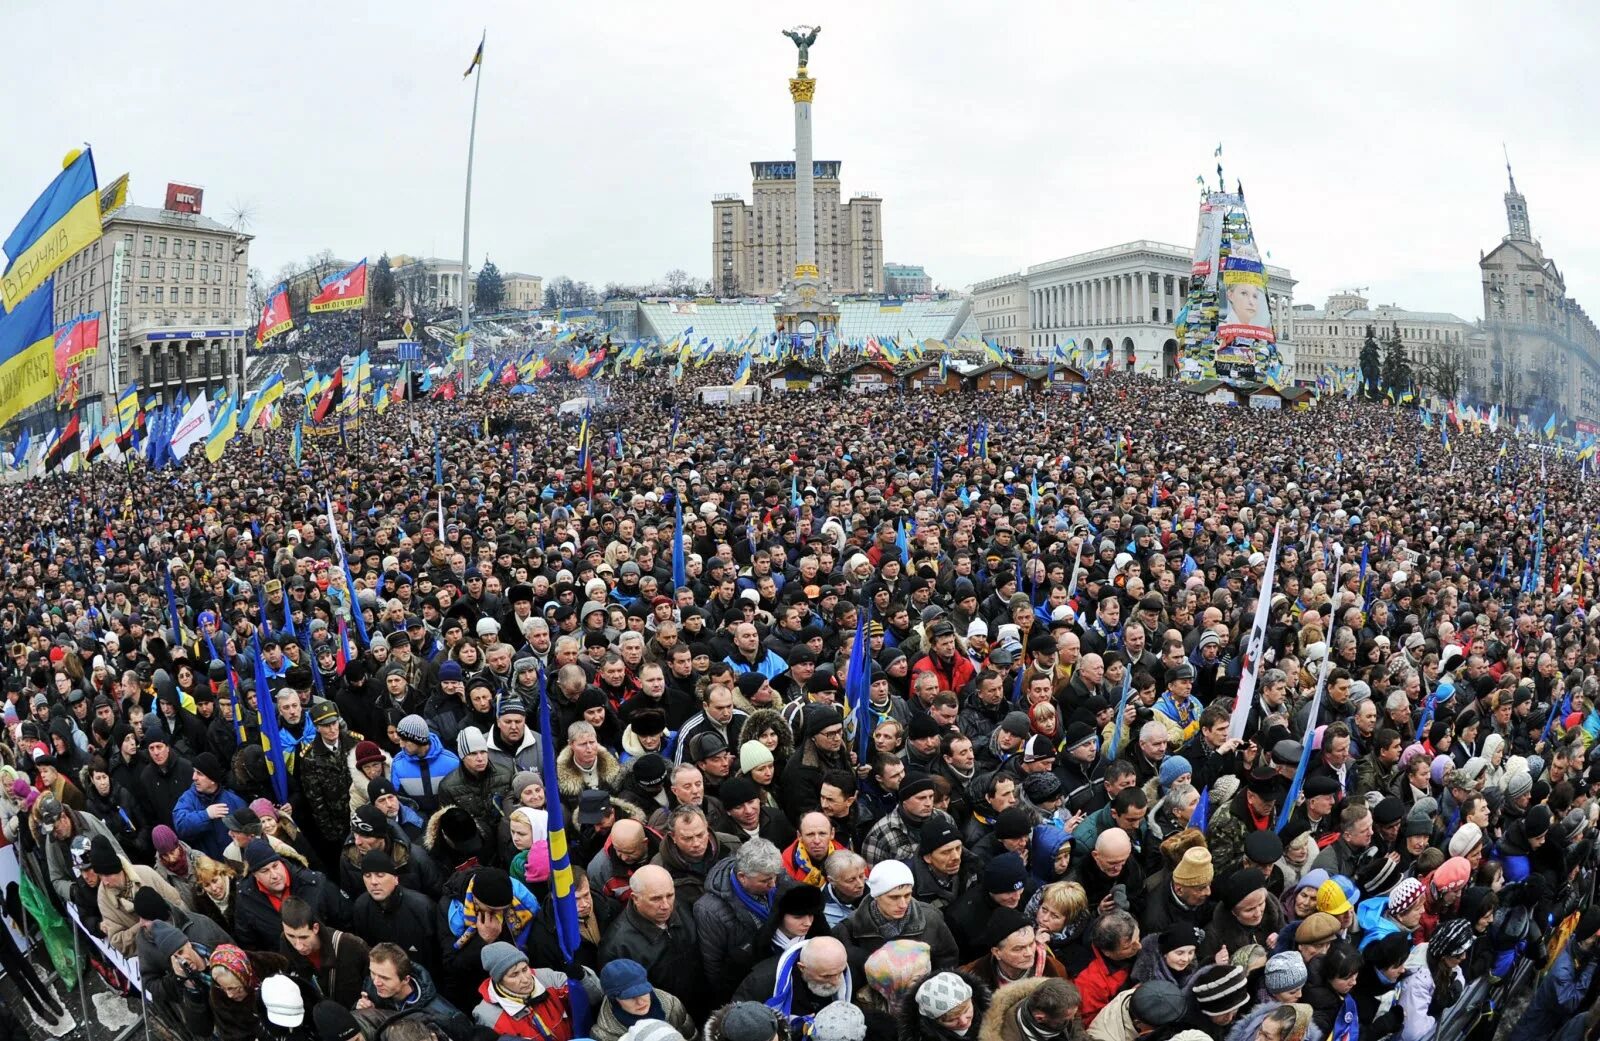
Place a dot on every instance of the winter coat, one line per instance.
(726, 928)
(910, 1025)
(1558, 997)
(205, 833)
(550, 1006)
(478, 794)
(256, 923)
(1114, 1021)
(670, 956)
(324, 780)
(1097, 984)
(407, 918)
(119, 922)
(569, 779)
(342, 969)
(420, 779)
(413, 866)
(921, 922)
(607, 1027)
(161, 787)
(999, 1023)
(1227, 931)
(58, 855)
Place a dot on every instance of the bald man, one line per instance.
(629, 848)
(658, 934)
(1111, 875)
(814, 980)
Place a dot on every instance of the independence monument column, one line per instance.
(806, 309)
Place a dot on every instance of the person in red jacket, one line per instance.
(519, 1001)
(1115, 940)
(954, 669)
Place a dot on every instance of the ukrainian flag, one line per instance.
(742, 376)
(222, 431)
(128, 405)
(63, 220)
(270, 391)
(27, 353)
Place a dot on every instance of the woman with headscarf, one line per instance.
(530, 837)
(1426, 994)
(232, 1009)
(1276, 1021)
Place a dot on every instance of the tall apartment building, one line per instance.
(753, 244)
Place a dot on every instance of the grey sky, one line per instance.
(999, 135)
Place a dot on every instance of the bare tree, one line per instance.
(1441, 370)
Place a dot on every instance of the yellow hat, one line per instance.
(1331, 899)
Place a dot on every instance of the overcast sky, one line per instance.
(999, 135)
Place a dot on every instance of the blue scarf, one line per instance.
(762, 909)
(782, 999)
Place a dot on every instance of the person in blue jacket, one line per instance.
(422, 764)
(1561, 993)
(198, 815)
(1516, 847)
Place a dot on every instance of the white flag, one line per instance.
(193, 426)
(1255, 645)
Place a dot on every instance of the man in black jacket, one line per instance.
(659, 935)
(389, 913)
(257, 923)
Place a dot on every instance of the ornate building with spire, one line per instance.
(1544, 350)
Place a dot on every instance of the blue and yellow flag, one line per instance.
(63, 220)
(477, 56)
(297, 443)
(741, 376)
(562, 892)
(222, 431)
(270, 391)
(27, 353)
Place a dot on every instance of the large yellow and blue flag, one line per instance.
(477, 56)
(222, 430)
(63, 220)
(27, 353)
(741, 376)
(563, 892)
(270, 391)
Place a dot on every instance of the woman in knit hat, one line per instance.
(1399, 912)
(1216, 995)
(1246, 914)
(946, 1007)
(757, 763)
(233, 1007)
(768, 728)
(630, 999)
(1169, 955)
(520, 1001)
(1284, 978)
(1427, 994)
(368, 762)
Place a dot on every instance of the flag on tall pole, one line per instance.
(342, 291)
(465, 335)
(1305, 747)
(858, 690)
(562, 891)
(275, 317)
(27, 352)
(277, 771)
(61, 221)
(1255, 646)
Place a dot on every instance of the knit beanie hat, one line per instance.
(334, 1022)
(753, 754)
(1172, 768)
(1404, 896)
(839, 1021)
(897, 967)
(888, 875)
(941, 994)
(651, 1030)
(1220, 989)
(1285, 972)
(499, 958)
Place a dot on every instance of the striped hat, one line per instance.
(1221, 989)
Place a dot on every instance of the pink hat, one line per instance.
(263, 808)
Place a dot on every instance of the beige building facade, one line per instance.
(1000, 308)
(753, 245)
(523, 292)
(1543, 350)
(1330, 338)
(429, 281)
(177, 300)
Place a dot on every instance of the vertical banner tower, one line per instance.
(806, 312)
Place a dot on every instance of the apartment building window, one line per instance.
(160, 294)
(188, 295)
(161, 246)
(191, 249)
(144, 294)
(205, 251)
(146, 251)
(144, 269)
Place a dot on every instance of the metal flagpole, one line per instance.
(466, 216)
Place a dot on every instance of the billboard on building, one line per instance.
(183, 198)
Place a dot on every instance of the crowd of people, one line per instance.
(1038, 809)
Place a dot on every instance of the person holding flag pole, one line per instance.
(1255, 646)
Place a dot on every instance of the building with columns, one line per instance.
(1000, 309)
(430, 281)
(1124, 299)
(173, 306)
(1543, 348)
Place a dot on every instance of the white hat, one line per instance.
(471, 740)
(281, 998)
(487, 626)
(941, 994)
(978, 627)
(888, 875)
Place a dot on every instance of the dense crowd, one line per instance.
(1047, 820)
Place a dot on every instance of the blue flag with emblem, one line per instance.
(1306, 741)
(680, 575)
(858, 690)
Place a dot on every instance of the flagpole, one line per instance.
(466, 217)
